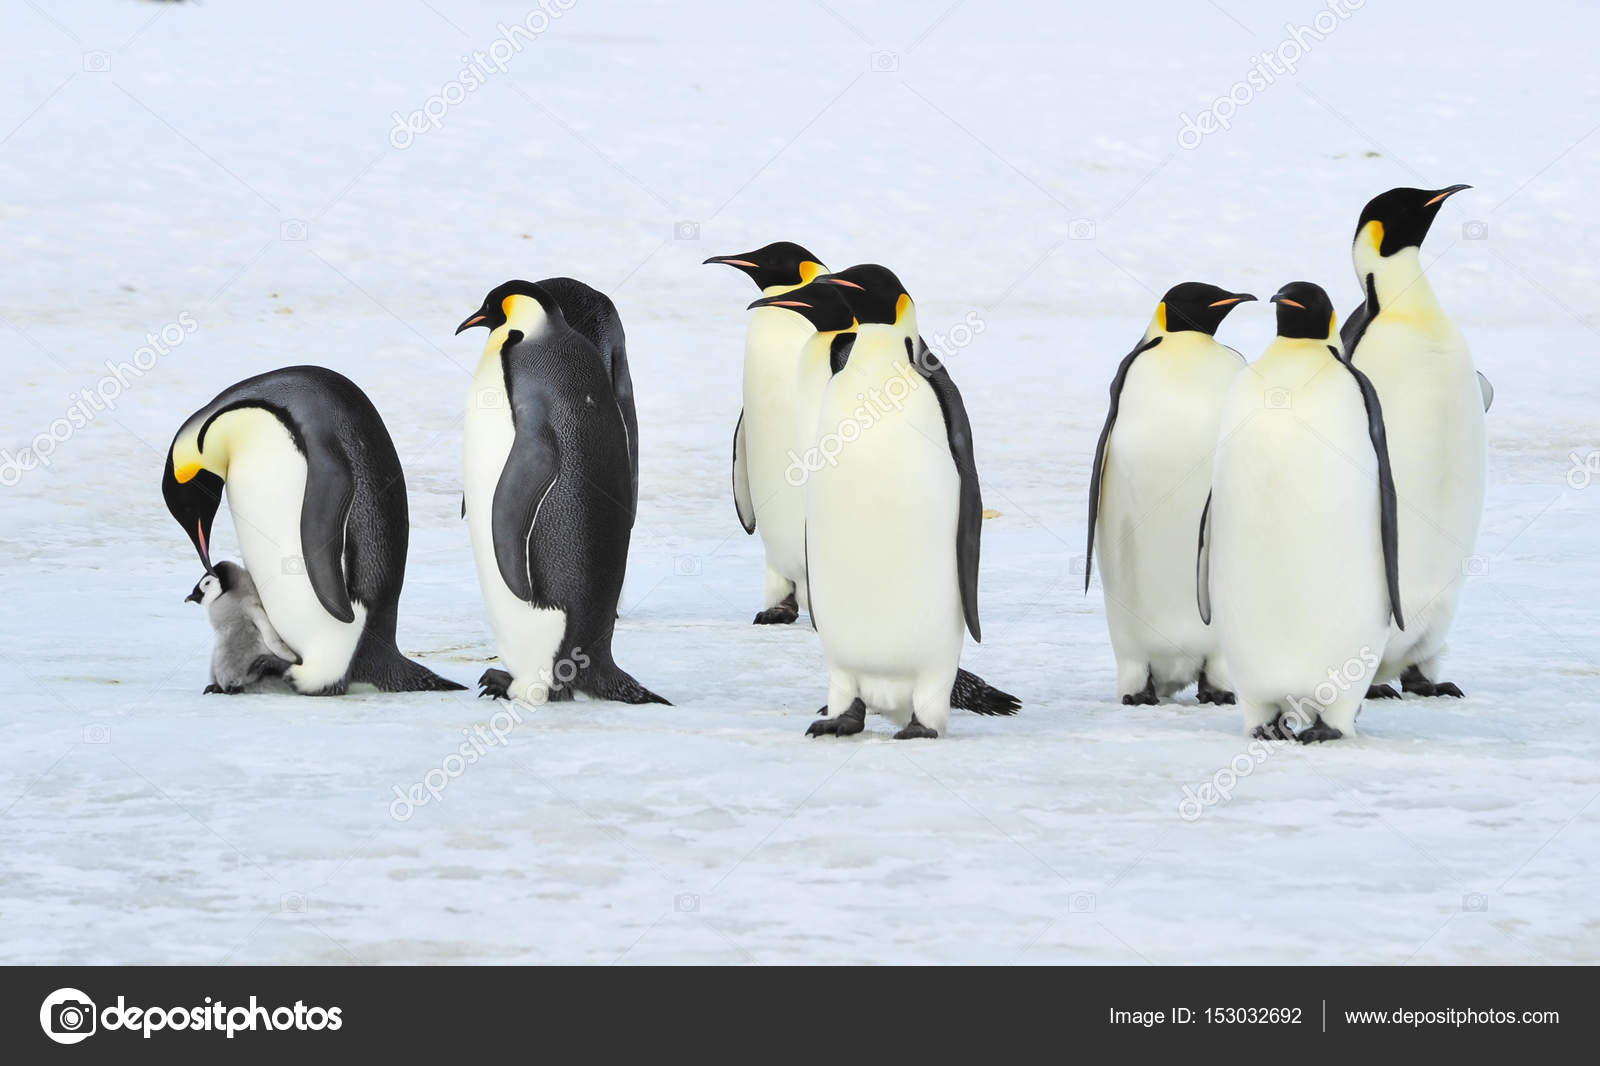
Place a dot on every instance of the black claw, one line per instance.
(915, 730)
(1382, 692)
(1318, 731)
(851, 722)
(1145, 696)
(1207, 694)
(209, 689)
(1276, 729)
(1448, 688)
(780, 614)
(496, 684)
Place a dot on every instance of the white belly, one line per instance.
(266, 487)
(881, 524)
(1153, 489)
(1297, 578)
(774, 410)
(1433, 411)
(527, 638)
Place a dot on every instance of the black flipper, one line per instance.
(969, 520)
(330, 490)
(1356, 325)
(839, 351)
(1202, 565)
(1387, 502)
(530, 470)
(1100, 449)
(742, 502)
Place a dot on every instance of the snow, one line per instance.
(1011, 162)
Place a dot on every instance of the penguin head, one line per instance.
(513, 302)
(824, 306)
(206, 592)
(1194, 305)
(192, 491)
(782, 263)
(1305, 313)
(1399, 219)
(875, 295)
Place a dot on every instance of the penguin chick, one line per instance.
(249, 654)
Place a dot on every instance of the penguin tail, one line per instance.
(973, 693)
(611, 682)
(383, 666)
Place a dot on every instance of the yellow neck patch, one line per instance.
(1161, 316)
(809, 270)
(900, 306)
(1375, 235)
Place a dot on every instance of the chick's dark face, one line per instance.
(1194, 305)
(780, 263)
(1401, 218)
(1304, 312)
(873, 292)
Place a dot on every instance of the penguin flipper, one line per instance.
(1100, 450)
(742, 501)
(529, 474)
(330, 490)
(1202, 565)
(969, 513)
(269, 636)
(1486, 389)
(1388, 504)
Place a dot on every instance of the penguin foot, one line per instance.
(209, 689)
(1145, 696)
(851, 722)
(1219, 696)
(1273, 730)
(496, 684)
(1382, 692)
(780, 614)
(1318, 731)
(915, 730)
(1413, 680)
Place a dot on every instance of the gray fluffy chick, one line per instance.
(249, 656)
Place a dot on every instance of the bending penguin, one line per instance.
(548, 500)
(1297, 551)
(1434, 401)
(779, 402)
(1147, 487)
(319, 507)
(893, 522)
(823, 355)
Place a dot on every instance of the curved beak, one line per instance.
(1280, 298)
(732, 260)
(477, 319)
(1444, 194)
(1236, 298)
(781, 300)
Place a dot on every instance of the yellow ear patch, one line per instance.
(1375, 235)
(1333, 324)
(1161, 315)
(809, 270)
(186, 472)
(900, 306)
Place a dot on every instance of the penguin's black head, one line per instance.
(1194, 305)
(824, 306)
(1304, 312)
(874, 294)
(496, 307)
(1401, 217)
(193, 495)
(779, 263)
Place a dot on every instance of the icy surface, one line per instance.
(234, 163)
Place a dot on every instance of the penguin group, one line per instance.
(1292, 534)
(1287, 535)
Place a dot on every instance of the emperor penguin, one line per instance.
(893, 521)
(1435, 401)
(1147, 487)
(319, 507)
(249, 654)
(764, 439)
(548, 501)
(1297, 565)
(823, 355)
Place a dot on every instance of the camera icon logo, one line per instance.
(1081, 229)
(97, 62)
(685, 565)
(1475, 902)
(68, 1016)
(1076, 565)
(96, 734)
(686, 903)
(1276, 399)
(1475, 230)
(292, 903)
(883, 62)
(1081, 903)
(294, 564)
(292, 229)
(686, 231)
(1474, 566)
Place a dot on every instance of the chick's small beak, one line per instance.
(476, 320)
(194, 596)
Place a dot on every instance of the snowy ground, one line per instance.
(235, 163)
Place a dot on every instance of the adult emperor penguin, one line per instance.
(1298, 541)
(548, 500)
(824, 354)
(893, 522)
(1147, 487)
(1434, 401)
(768, 501)
(319, 507)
